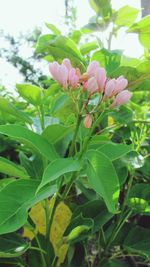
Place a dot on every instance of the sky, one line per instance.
(22, 15)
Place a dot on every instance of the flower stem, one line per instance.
(71, 150)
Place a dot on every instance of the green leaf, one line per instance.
(7, 107)
(60, 47)
(78, 221)
(115, 263)
(102, 7)
(29, 138)
(96, 210)
(142, 26)
(57, 168)
(103, 178)
(110, 60)
(88, 47)
(144, 67)
(59, 103)
(76, 36)
(126, 15)
(114, 151)
(33, 165)
(75, 233)
(16, 198)
(53, 28)
(139, 198)
(12, 245)
(31, 93)
(56, 132)
(143, 29)
(138, 241)
(121, 170)
(145, 39)
(123, 116)
(12, 169)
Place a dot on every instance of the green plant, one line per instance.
(74, 187)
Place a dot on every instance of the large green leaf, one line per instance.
(16, 198)
(114, 151)
(57, 168)
(60, 47)
(126, 15)
(138, 241)
(29, 138)
(31, 93)
(7, 107)
(55, 132)
(103, 178)
(10, 168)
(110, 60)
(12, 245)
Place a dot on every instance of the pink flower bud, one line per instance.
(92, 68)
(54, 69)
(67, 63)
(101, 78)
(121, 84)
(73, 78)
(92, 85)
(63, 76)
(121, 98)
(110, 88)
(59, 73)
(87, 121)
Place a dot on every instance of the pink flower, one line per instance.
(87, 121)
(121, 84)
(110, 88)
(54, 69)
(73, 78)
(67, 63)
(92, 85)
(92, 68)
(101, 78)
(59, 73)
(121, 98)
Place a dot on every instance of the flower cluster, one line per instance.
(94, 80)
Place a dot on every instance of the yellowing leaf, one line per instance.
(61, 220)
(110, 121)
(37, 215)
(27, 233)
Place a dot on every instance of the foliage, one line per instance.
(75, 169)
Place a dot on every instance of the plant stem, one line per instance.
(95, 124)
(71, 150)
(69, 185)
(41, 253)
(38, 249)
(141, 121)
(121, 219)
